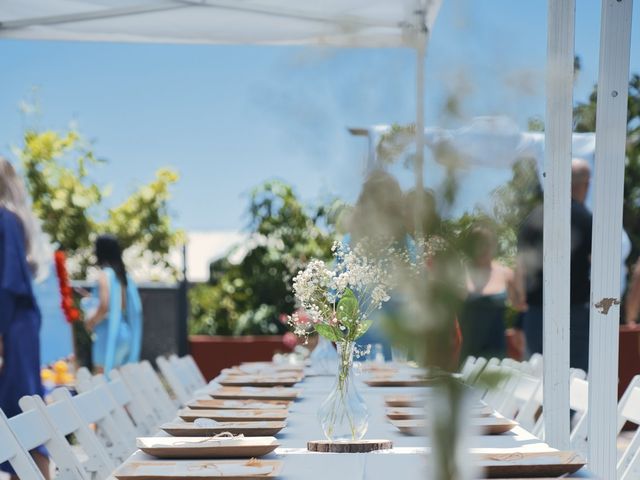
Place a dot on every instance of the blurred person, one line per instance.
(632, 302)
(490, 286)
(117, 321)
(422, 207)
(379, 211)
(378, 218)
(530, 270)
(20, 318)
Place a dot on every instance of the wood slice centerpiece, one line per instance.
(356, 446)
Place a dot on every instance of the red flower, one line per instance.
(67, 302)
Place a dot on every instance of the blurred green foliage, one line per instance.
(247, 297)
(57, 168)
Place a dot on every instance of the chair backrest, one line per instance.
(173, 379)
(136, 405)
(629, 411)
(196, 372)
(11, 451)
(86, 382)
(529, 395)
(135, 376)
(525, 388)
(536, 364)
(478, 366)
(190, 383)
(467, 367)
(33, 428)
(66, 420)
(92, 408)
(169, 406)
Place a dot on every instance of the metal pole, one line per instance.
(183, 308)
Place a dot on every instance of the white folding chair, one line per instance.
(92, 410)
(525, 389)
(529, 416)
(467, 368)
(11, 451)
(629, 411)
(173, 379)
(169, 406)
(85, 382)
(535, 364)
(184, 373)
(135, 377)
(195, 371)
(67, 420)
(478, 366)
(136, 405)
(579, 402)
(578, 398)
(32, 428)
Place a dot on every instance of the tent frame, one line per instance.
(607, 222)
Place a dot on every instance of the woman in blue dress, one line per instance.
(117, 322)
(19, 314)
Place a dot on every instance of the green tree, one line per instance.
(248, 297)
(70, 205)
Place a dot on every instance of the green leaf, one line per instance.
(363, 327)
(348, 309)
(328, 332)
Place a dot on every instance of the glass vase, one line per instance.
(324, 357)
(344, 415)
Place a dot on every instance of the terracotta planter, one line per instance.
(213, 353)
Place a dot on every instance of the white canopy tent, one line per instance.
(407, 23)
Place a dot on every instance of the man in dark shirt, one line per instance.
(530, 264)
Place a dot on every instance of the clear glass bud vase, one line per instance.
(344, 415)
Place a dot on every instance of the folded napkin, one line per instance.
(205, 422)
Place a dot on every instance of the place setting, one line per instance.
(229, 415)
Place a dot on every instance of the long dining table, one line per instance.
(407, 459)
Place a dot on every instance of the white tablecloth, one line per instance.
(407, 461)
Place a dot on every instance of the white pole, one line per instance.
(611, 130)
(557, 220)
(419, 158)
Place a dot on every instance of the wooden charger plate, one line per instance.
(190, 415)
(356, 446)
(271, 366)
(257, 381)
(217, 404)
(198, 470)
(531, 464)
(206, 447)
(248, 429)
(255, 393)
(486, 425)
(398, 382)
(413, 413)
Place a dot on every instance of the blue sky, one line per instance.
(228, 118)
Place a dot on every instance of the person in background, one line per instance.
(377, 218)
(632, 303)
(20, 318)
(117, 322)
(490, 285)
(530, 270)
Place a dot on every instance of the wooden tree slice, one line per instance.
(357, 446)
